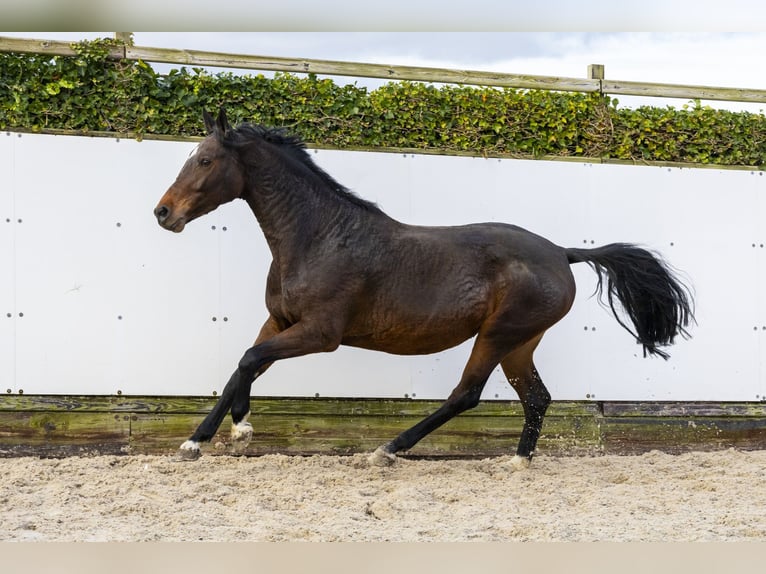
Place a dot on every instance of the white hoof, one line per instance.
(519, 463)
(241, 435)
(188, 451)
(381, 457)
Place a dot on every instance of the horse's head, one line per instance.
(210, 177)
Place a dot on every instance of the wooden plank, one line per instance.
(48, 47)
(355, 69)
(63, 434)
(681, 409)
(632, 435)
(406, 407)
(274, 405)
(683, 91)
(105, 403)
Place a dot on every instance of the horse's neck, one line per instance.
(297, 215)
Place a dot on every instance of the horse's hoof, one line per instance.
(518, 463)
(241, 435)
(381, 457)
(189, 451)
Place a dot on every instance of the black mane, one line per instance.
(296, 148)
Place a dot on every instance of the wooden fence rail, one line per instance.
(60, 425)
(594, 83)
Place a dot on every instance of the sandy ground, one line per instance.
(713, 496)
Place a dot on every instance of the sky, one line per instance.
(698, 54)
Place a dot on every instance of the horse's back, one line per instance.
(486, 250)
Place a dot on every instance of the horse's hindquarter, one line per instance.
(431, 288)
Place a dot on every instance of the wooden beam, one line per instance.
(683, 91)
(47, 47)
(56, 425)
(337, 68)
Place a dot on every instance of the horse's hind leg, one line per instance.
(521, 373)
(484, 358)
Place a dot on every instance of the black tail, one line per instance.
(659, 305)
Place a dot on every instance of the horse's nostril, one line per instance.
(161, 213)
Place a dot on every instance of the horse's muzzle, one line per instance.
(162, 213)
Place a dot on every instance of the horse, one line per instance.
(343, 272)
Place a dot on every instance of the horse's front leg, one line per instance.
(190, 450)
(241, 429)
(300, 339)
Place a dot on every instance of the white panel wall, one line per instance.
(7, 266)
(96, 298)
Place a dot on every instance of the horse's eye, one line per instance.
(204, 162)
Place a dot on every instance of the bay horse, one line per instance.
(345, 273)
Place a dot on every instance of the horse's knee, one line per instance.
(465, 400)
(249, 363)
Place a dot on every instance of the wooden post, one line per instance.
(126, 37)
(596, 72)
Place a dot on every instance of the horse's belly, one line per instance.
(402, 347)
(420, 338)
(420, 316)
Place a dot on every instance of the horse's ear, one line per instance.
(219, 126)
(222, 123)
(209, 122)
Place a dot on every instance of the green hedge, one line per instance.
(90, 92)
